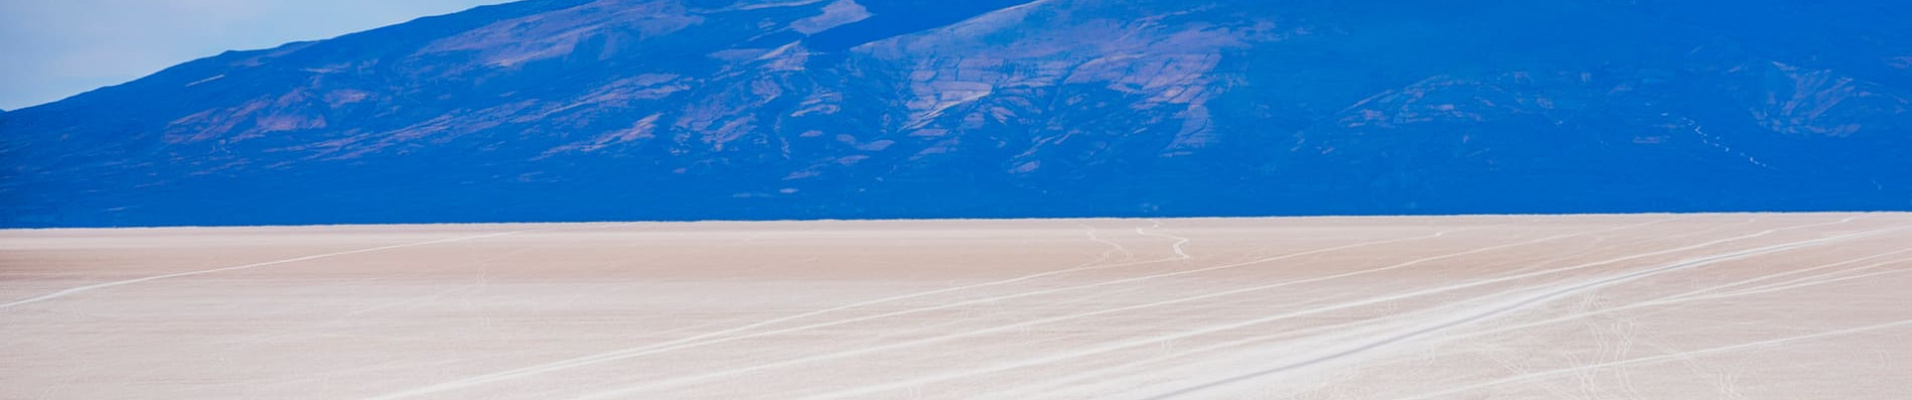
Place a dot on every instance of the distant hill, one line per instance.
(567, 110)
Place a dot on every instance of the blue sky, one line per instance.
(51, 49)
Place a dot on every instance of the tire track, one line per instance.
(720, 374)
(1384, 325)
(701, 339)
(974, 372)
(98, 286)
(1673, 299)
(1544, 297)
(713, 338)
(1658, 359)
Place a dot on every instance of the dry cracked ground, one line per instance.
(1676, 307)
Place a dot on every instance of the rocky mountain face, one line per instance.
(566, 110)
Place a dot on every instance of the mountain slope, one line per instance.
(676, 109)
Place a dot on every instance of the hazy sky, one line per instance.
(51, 49)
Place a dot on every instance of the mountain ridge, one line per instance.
(622, 109)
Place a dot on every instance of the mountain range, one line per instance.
(590, 110)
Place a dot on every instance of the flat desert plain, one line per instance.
(1676, 307)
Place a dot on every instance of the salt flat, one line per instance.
(1677, 307)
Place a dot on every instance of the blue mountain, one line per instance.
(573, 110)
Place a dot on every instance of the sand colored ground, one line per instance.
(1675, 307)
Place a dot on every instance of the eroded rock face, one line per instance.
(682, 109)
